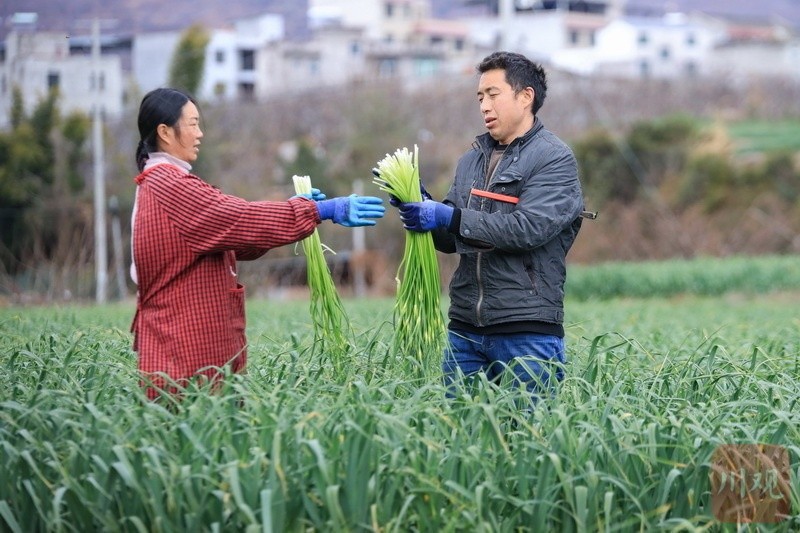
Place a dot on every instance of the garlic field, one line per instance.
(655, 384)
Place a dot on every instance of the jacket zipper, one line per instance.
(479, 259)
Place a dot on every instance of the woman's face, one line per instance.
(183, 139)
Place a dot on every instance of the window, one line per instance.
(247, 59)
(459, 44)
(425, 67)
(220, 56)
(574, 37)
(644, 69)
(387, 67)
(691, 69)
(101, 81)
(643, 38)
(355, 48)
(389, 10)
(53, 80)
(690, 39)
(247, 90)
(665, 53)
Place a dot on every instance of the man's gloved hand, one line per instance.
(351, 211)
(315, 195)
(425, 216)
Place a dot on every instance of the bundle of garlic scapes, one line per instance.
(331, 326)
(420, 331)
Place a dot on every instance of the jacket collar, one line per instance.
(160, 158)
(485, 142)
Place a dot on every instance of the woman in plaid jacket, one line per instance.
(186, 239)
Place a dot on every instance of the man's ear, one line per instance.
(529, 94)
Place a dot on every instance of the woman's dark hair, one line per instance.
(159, 106)
(521, 72)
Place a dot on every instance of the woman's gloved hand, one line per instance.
(315, 195)
(352, 211)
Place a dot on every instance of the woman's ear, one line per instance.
(163, 136)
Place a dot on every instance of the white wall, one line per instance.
(221, 64)
(536, 35)
(366, 14)
(153, 52)
(151, 59)
(643, 47)
(744, 60)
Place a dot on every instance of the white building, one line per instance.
(756, 50)
(40, 62)
(398, 39)
(380, 20)
(644, 47)
(334, 55)
(372, 39)
(230, 60)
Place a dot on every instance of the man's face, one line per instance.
(506, 114)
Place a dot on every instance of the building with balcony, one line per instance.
(40, 62)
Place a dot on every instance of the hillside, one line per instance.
(134, 16)
(137, 16)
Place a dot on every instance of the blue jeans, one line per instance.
(530, 356)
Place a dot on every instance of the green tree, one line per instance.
(709, 179)
(604, 172)
(75, 131)
(33, 205)
(662, 146)
(17, 107)
(19, 187)
(780, 171)
(44, 120)
(186, 70)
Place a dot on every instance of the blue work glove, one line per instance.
(315, 195)
(351, 211)
(425, 216)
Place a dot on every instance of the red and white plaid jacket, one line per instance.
(187, 237)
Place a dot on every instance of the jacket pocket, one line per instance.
(507, 187)
(530, 271)
(238, 321)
